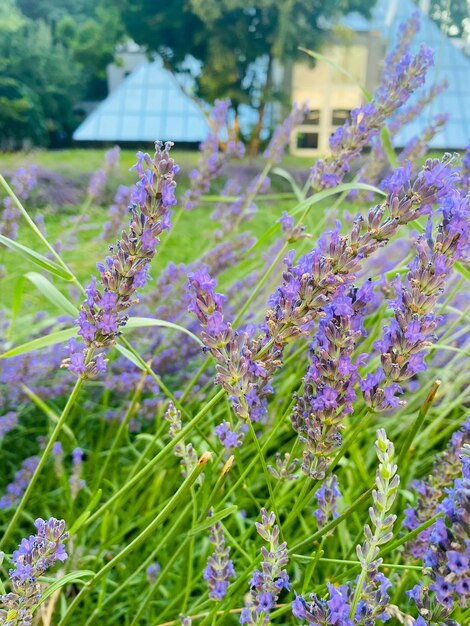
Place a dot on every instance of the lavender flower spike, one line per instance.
(185, 452)
(322, 612)
(214, 153)
(219, 568)
(152, 572)
(411, 332)
(406, 74)
(235, 369)
(267, 583)
(370, 597)
(447, 555)
(76, 482)
(8, 422)
(330, 380)
(125, 270)
(430, 491)
(283, 132)
(33, 557)
(327, 498)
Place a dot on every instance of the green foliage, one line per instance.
(20, 114)
(451, 15)
(52, 55)
(38, 87)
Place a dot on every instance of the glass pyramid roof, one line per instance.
(148, 104)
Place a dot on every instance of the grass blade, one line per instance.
(52, 293)
(36, 258)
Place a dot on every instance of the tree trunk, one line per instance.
(255, 137)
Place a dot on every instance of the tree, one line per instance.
(89, 29)
(452, 16)
(53, 53)
(38, 86)
(233, 39)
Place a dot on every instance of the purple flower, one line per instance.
(57, 449)
(236, 371)
(220, 145)
(457, 562)
(444, 590)
(229, 438)
(338, 607)
(267, 583)
(330, 380)
(327, 497)
(126, 268)
(36, 554)
(404, 74)
(219, 567)
(415, 592)
(15, 489)
(281, 136)
(8, 422)
(152, 572)
(31, 560)
(412, 330)
(75, 481)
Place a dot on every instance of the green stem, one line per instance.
(253, 462)
(179, 496)
(251, 196)
(162, 576)
(195, 378)
(84, 210)
(412, 432)
(304, 496)
(190, 557)
(260, 284)
(122, 427)
(45, 455)
(312, 567)
(267, 475)
(153, 375)
(130, 484)
(143, 455)
(163, 244)
(37, 232)
(302, 557)
(335, 522)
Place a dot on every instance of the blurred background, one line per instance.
(94, 72)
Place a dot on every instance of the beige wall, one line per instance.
(330, 94)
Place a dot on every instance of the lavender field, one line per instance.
(235, 390)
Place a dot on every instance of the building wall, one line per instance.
(330, 93)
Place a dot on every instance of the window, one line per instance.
(307, 140)
(340, 116)
(313, 117)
